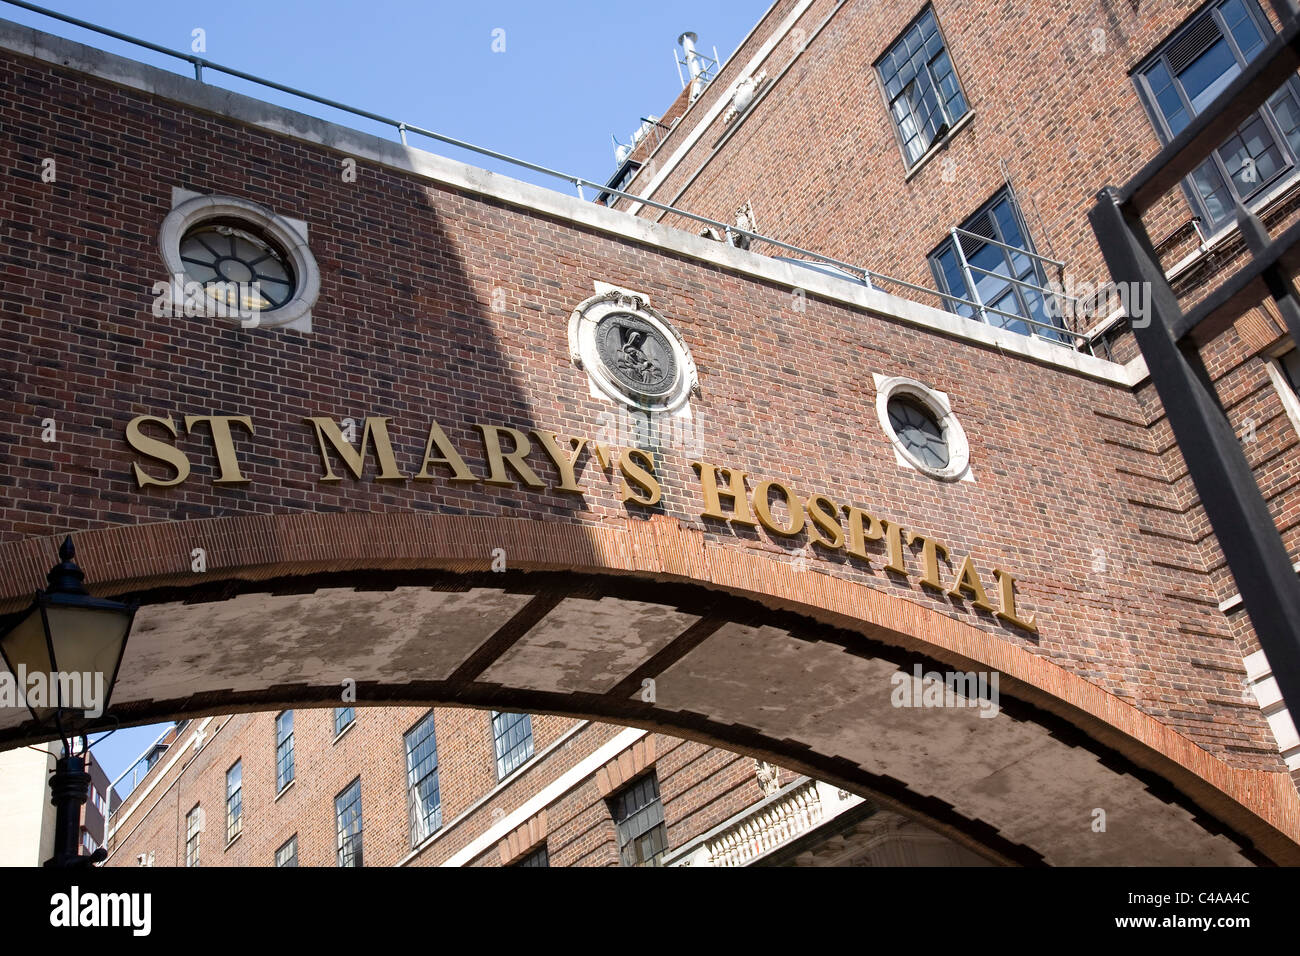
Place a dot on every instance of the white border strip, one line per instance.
(719, 104)
(180, 751)
(546, 796)
(68, 55)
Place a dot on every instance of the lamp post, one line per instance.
(74, 643)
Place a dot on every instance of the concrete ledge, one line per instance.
(132, 74)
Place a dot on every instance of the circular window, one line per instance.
(248, 260)
(237, 267)
(918, 431)
(925, 433)
(630, 352)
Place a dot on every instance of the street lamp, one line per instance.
(68, 644)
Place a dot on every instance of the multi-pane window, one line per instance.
(996, 257)
(234, 800)
(283, 750)
(921, 86)
(343, 717)
(88, 841)
(347, 815)
(422, 798)
(513, 737)
(639, 820)
(287, 855)
(193, 827)
(538, 857)
(1185, 75)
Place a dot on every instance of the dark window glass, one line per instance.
(422, 798)
(283, 750)
(995, 250)
(538, 857)
(918, 431)
(343, 717)
(234, 800)
(1291, 367)
(1188, 72)
(287, 855)
(347, 815)
(925, 99)
(639, 820)
(513, 736)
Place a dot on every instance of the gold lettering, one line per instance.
(823, 516)
(931, 550)
(224, 444)
(968, 582)
(450, 457)
(497, 459)
(795, 518)
(565, 463)
(894, 546)
(858, 535)
(355, 459)
(735, 491)
(642, 478)
(1007, 595)
(156, 449)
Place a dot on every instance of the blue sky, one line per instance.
(571, 74)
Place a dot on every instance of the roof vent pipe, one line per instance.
(693, 64)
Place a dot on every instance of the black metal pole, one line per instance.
(69, 786)
(1215, 460)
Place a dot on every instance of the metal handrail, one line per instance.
(130, 771)
(201, 63)
(994, 242)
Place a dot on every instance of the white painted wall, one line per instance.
(26, 815)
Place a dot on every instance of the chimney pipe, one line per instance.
(687, 40)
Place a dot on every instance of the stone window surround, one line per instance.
(939, 405)
(190, 209)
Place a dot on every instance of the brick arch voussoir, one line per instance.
(129, 558)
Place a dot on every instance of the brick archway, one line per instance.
(692, 603)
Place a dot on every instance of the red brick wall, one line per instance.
(700, 788)
(404, 327)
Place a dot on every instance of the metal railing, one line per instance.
(1047, 293)
(126, 782)
(1067, 337)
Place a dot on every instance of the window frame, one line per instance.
(425, 825)
(911, 165)
(293, 857)
(354, 837)
(235, 816)
(504, 771)
(338, 731)
(1285, 384)
(538, 857)
(629, 849)
(193, 834)
(1005, 192)
(1147, 96)
(286, 742)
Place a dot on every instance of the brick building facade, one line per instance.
(427, 291)
(562, 799)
